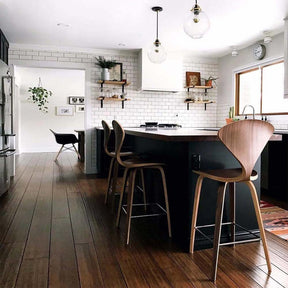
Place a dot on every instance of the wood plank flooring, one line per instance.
(55, 231)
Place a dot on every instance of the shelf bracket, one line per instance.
(101, 103)
(205, 106)
(188, 106)
(123, 104)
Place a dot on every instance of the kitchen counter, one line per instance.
(180, 150)
(182, 134)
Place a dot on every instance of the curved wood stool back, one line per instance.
(107, 133)
(113, 169)
(245, 140)
(134, 165)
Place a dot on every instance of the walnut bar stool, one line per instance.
(245, 140)
(133, 165)
(113, 169)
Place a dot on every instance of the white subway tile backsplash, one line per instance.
(25, 57)
(38, 58)
(144, 105)
(44, 53)
(57, 54)
(50, 58)
(32, 53)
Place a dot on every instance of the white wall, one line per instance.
(228, 65)
(144, 106)
(34, 125)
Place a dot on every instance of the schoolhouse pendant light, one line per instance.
(197, 23)
(157, 53)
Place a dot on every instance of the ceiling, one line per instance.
(131, 24)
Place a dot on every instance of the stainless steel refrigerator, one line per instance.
(7, 136)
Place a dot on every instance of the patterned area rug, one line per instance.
(275, 219)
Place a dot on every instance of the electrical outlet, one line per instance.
(196, 159)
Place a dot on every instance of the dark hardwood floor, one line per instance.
(55, 231)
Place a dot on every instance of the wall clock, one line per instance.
(259, 51)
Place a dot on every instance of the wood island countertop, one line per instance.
(181, 134)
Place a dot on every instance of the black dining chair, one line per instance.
(66, 139)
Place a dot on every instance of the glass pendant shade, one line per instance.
(197, 23)
(157, 53)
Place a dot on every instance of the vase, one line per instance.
(229, 120)
(105, 74)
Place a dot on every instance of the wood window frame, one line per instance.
(237, 87)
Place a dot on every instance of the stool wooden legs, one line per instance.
(109, 179)
(121, 196)
(143, 188)
(260, 222)
(132, 177)
(219, 216)
(195, 212)
(166, 199)
(218, 226)
(130, 203)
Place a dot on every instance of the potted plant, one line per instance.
(210, 80)
(105, 65)
(40, 95)
(231, 116)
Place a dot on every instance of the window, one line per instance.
(263, 88)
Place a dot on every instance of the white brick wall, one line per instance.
(144, 106)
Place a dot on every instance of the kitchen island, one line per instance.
(183, 150)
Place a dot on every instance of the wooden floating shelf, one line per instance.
(199, 87)
(107, 99)
(200, 101)
(112, 99)
(205, 102)
(109, 82)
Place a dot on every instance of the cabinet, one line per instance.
(4, 47)
(274, 169)
(194, 99)
(166, 76)
(122, 98)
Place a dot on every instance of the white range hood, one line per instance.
(166, 76)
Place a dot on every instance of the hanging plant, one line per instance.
(40, 95)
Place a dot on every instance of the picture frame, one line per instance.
(193, 79)
(64, 110)
(76, 100)
(116, 72)
(80, 108)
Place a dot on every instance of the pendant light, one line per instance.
(157, 53)
(197, 24)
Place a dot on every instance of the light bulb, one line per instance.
(197, 23)
(157, 53)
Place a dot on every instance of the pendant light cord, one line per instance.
(40, 82)
(157, 27)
